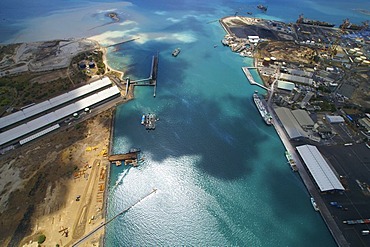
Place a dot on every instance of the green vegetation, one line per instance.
(18, 91)
(7, 49)
(26, 88)
(41, 239)
(324, 89)
(96, 56)
(327, 106)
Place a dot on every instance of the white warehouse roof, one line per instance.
(56, 115)
(38, 134)
(335, 119)
(295, 78)
(53, 102)
(319, 168)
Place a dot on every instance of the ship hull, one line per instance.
(262, 110)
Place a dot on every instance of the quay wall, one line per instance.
(309, 183)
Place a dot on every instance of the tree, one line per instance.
(41, 239)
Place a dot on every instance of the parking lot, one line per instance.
(353, 163)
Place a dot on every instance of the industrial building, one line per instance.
(47, 105)
(303, 118)
(334, 119)
(306, 99)
(365, 122)
(290, 123)
(53, 117)
(294, 78)
(320, 170)
(285, 85)
(299, 72)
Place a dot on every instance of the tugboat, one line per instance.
(262, 7)
(176, 52)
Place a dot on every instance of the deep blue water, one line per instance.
(221, 174)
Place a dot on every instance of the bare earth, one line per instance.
(39, 183)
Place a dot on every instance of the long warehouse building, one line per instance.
(319, 168)
(53, 102)
(52, 117)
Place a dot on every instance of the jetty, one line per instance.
(311, 188)
(123, 157)
(77, 243)
(152, 79)
(250, 77)
(123, 42)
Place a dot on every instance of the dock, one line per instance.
(250, 77)
(125, 156)
(152, 79)
(80, 241)
(310, 186)
(123, 42)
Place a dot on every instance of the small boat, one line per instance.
(176, 52)
(118, 163)
(314, 205)
(249, 13)
(262, 7)
(143, 119)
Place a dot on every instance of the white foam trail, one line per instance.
(173, 20)
(119, 180)
(160, 12)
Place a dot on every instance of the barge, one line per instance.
(149, 120)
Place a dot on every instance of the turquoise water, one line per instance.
(221, 174)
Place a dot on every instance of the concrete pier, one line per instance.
(250, 77)
(80, 241)
(126, 156)
(126, 41)
(310, 185)
(152, 79)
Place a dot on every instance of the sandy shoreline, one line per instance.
(57, 185)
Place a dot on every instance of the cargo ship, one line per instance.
(291, 161)
(261, 108)
(176, 52)
(314, 205)
(348, 25)
(262, 7)
(302, 20)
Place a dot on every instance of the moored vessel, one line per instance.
(314, 204)
(262, 7)
(262, 110)
(291, 161)
(302, 20)
(176, 52)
